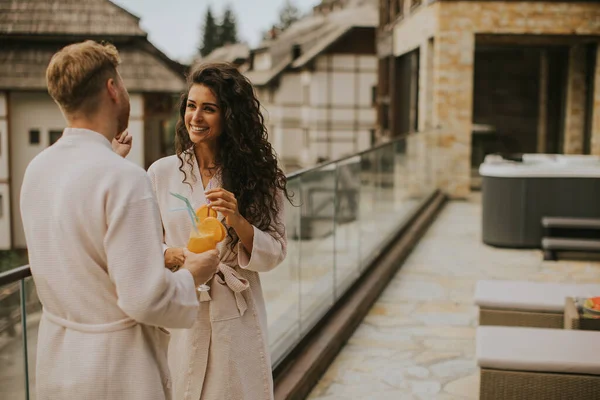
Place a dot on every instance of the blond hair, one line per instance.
(78, 72)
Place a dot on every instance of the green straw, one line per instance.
(190, 210)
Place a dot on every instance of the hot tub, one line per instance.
(518, 191)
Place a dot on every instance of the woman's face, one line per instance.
(202, 115)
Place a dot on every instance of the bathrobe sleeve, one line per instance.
(268, 248)
(147, 291)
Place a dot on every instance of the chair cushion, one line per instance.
(538, 349)
(529, 296)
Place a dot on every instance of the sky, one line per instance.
(174, 25)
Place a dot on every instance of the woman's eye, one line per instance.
(209, 109)
(190, 105)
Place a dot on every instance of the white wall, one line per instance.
(336, 94)
(28, 111)
(289, 90)
(4, 153)
(136, 129)
(262, 61)
(38, 111)
(5, 237)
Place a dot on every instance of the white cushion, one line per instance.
(537, 349)
(529, 296)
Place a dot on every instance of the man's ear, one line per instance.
(113, 90)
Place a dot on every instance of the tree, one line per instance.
(210, 34)
(288, 14)
(228, 28)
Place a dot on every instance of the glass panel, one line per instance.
(369, 169)
(417, 167)
(403, 204)
(347, 234)
(281, 286)
(12, 368)
(317, 249)
(385, 218)
(34, 314)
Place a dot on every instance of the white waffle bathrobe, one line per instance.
(225, 356)
(94, 238)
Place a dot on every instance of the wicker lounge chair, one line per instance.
(528, 304)
(538, 364)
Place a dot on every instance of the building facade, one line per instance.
(491, 76)
(31, 31)
(316, 81)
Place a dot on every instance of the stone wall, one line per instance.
(575, 107)
(595, 148)
(458, 24)
(445, 33)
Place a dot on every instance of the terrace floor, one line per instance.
(418, 340)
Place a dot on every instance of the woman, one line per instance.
(225, 160)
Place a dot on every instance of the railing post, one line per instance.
(24, 334)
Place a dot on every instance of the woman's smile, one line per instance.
(199, 129)
(202, 115)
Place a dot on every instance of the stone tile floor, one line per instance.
(418, 340)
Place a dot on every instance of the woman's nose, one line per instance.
(197, 115)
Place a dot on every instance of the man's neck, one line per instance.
(103, 129)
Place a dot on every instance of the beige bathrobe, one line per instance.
(225, 356)
(94, 239)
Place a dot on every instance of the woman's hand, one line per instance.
(121, 144)
(174, 256)
(225, 202)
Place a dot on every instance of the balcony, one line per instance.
(346, 212)
(361, 226)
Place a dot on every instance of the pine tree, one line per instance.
(210, 34)
(288, 14)
(228, 28)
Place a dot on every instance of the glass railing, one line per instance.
(344, 213)
(20, 312)
(348, 211)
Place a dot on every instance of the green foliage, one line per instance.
(228, 28)
(210, 34)
(288, 14)
(215, 35)
(11, 259)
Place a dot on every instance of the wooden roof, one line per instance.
(24, 68)
(67, 17)
(32, 30)
(313, 34)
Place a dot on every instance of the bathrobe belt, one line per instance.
(227, 275)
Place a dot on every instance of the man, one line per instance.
(95, 246)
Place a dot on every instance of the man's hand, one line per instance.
(202, 266)
(174, 257)
(121, 144)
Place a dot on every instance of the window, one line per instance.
(54, 136)
(34, 136)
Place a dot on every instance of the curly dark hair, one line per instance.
(247, 161)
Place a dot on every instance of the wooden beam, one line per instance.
(532, 40)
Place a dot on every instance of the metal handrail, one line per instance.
(14, 275)
(360, 153)
(24, 271)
